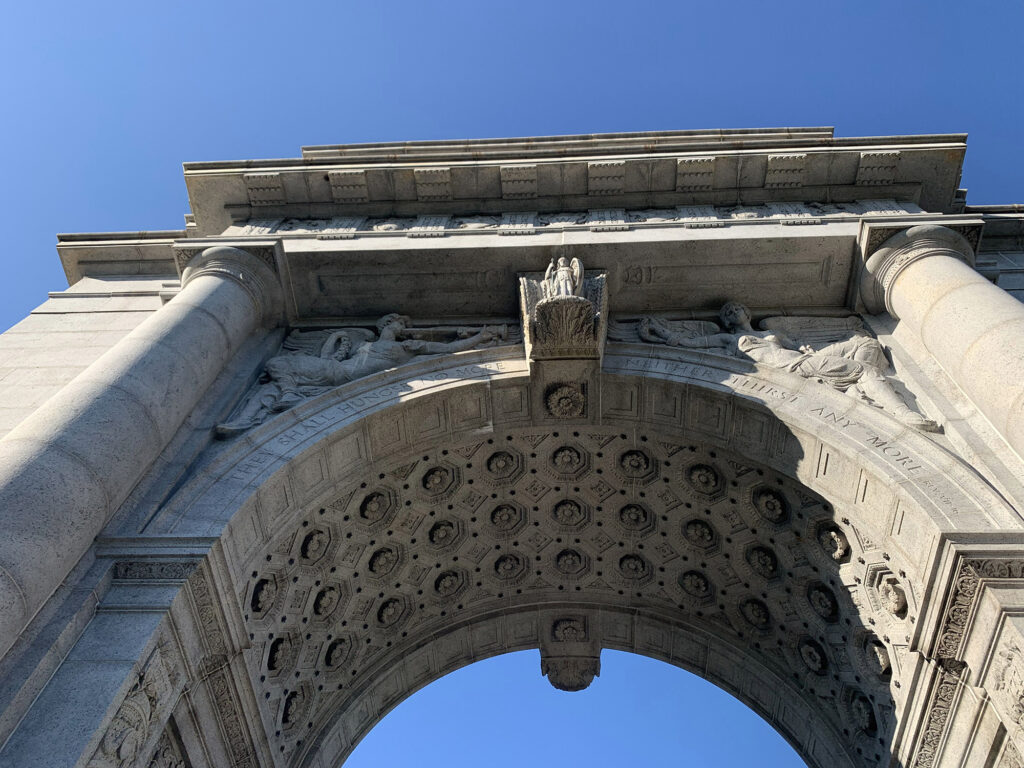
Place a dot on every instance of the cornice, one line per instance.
(579, 172)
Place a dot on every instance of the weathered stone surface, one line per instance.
(761, 498)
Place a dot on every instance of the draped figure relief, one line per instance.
(313, 362)
(833, 351)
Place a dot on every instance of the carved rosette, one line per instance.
(756, 613)
(704, 479)
(763, 562)
(700, 533)
(510, 567)
(566, 401)
(507, 518)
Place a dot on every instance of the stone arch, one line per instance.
(339, 507)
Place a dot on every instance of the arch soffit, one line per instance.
(367, 599)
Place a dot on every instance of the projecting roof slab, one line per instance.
(579, 172)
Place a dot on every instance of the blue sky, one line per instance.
(104, 101)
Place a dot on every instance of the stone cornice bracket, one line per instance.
(254, 274)
(884, 265)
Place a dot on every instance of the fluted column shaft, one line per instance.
(66, 468)
(974, 329)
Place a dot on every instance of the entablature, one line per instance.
(580, 172)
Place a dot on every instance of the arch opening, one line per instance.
(640, 711)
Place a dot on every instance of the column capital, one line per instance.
(252, 273)
(884, 265)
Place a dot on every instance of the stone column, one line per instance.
(68, 467)
(924, 277)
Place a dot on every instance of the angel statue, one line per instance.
(314, 362)
(855, 364)
(564, 278)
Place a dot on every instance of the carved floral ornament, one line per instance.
(755, 562)
(566, 401)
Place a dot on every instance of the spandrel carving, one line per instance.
(314, 362)
(836, 352)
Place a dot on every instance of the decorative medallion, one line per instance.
(700, 533)
(771, 505)
(376, 506)
(263, 595)
(509, 567)
(834, 542)
(862, 714)
(569, 513)
(383, 561)
(635, 517)
(696, 584)
(763, 562)
(448, 583)
(566, 401)
(755, 613)
(314, 546)
(281, 654)
(878, 656)
(634, 567)
(704, 479)
(507, 518)
(337, 652)
(894, 599)
(294, 704)
(813, 655)
(442, 534)
(567, 460)
(390, 612)
(504, 466)
(326, 600)
(637, 465)
(438, 480)
(569, 631)
(571, 562)
(823, 601)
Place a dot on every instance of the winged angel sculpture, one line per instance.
(833, 351)
(564, 278)
(313, 362)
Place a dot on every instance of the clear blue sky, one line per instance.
(104, 101)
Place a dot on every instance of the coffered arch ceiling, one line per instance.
(571, 541)
(725, 522)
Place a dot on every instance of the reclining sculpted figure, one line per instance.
(855, 365)
(345, 355)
